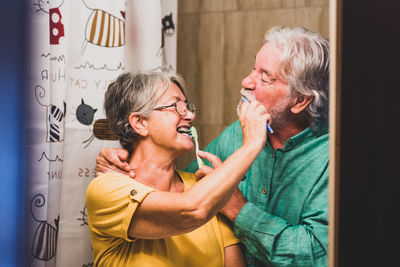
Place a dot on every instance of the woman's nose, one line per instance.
(190, 115)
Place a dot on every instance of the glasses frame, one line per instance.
(189, 107)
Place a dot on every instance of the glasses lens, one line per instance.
(191, 107)
(181, 108)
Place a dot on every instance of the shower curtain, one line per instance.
(77, 47)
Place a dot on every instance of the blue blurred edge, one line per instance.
(13, 70)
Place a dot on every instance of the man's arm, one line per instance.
(234, 205)
(270, 239)
(234, 256)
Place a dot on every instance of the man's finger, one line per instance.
(117, 159)
(122, 154)
(103, 165)
(132, 174)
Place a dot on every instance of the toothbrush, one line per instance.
(244, 99)
(193, 134)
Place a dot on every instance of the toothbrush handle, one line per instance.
(269, 128)
(200, 163)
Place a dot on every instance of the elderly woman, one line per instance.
(163, 217)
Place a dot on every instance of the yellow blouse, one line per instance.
(111, 201)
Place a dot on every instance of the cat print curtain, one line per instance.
(77, 48)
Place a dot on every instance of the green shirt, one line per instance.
(285, 222)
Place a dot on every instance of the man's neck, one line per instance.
(279, 137)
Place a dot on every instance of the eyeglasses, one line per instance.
(181, 107)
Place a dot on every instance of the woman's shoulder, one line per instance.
(113, 188)
(110, 179)
(107, 183)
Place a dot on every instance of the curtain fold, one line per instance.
(77, 49)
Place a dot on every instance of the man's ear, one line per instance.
(138, 123)
(300, 103)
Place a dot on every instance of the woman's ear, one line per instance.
(300, 103)
(138, 123)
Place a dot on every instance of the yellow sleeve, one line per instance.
(111, 201)
(228, 236)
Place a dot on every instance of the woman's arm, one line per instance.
(163, 214)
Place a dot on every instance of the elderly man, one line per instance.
(280, 210)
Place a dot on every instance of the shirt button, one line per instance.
(133, 192)
(264, 191)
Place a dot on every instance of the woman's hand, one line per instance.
(203, 171)
(113, 160)
(253, 119)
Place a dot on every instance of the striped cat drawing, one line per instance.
(54, 116)
(55, 126)
(102, 131)
(106, 24)
(44, 244)
(105, 30)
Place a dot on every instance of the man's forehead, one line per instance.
(268, 59)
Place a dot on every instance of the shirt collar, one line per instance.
(304, 136)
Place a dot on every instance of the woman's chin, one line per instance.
(186, 148)
(189, 147)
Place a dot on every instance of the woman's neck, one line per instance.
(155, 168)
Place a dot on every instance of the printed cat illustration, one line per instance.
(85, 113)
(54, 117)
(106, 24)
(44, 244)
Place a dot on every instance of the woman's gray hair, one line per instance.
(135, 92)
(305, 66)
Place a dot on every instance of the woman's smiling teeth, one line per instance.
(183, 130)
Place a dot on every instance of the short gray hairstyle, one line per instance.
(304, 65)
(135, 92)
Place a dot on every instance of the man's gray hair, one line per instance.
(304, 64)
(135, 92)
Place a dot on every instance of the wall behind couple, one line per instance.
(217, 43)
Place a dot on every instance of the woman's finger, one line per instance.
(215, 161)
(203, 171)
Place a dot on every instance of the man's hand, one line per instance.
(234, 205)
(113, 160)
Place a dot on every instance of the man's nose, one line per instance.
(249, 82)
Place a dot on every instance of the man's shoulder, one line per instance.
(228, 141)
(232, 132)
(234, 127)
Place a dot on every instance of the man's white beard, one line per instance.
(280, 113)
